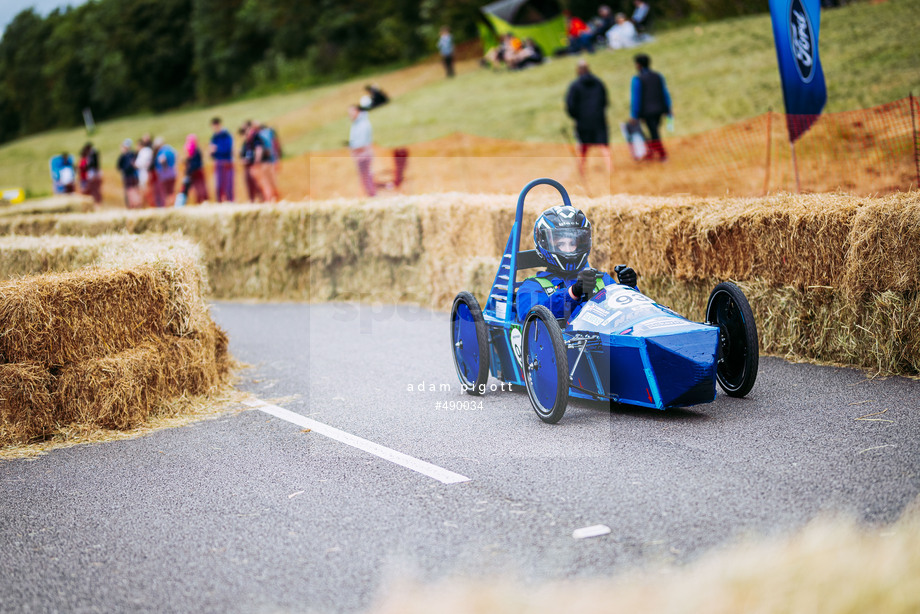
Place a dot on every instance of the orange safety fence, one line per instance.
(867, 151)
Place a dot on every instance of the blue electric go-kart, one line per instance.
(621, 346)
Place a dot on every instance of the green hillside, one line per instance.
(717, 73)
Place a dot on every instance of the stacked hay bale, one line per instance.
(104, 345)
(831, 277)
(63, 203)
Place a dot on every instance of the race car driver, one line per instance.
(562, 237)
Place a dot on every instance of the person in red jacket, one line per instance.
(579, 34)
(90, 173)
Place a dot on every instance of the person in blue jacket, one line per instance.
(562, 238)
(222, 153)
(650, 102)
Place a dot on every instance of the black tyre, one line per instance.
(470, 343)
(739, 348)
(546, 365)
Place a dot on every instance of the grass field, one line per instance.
(717, 73)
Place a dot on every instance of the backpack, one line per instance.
(267, 135)
(166, 158)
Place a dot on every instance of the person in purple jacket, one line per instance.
(222, 153)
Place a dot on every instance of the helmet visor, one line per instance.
(566, 242)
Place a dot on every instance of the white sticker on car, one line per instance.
(590, 318)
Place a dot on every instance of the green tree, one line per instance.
(22, 55)
(218, 64)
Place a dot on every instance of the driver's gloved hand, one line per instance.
(625, 275)
(584, 286)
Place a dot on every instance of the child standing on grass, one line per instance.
(446, 49)
(222, 152)
(143, 162)
(360, 140)
(194, 172)
(90, 175)
(247, 158)
(125, 166)
(259, 151)
(165, 163)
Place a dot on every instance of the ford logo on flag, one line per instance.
(802, 40)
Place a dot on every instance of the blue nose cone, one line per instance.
(684, 365)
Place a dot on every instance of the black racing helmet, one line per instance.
(562, 237)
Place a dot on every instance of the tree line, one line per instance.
(118, 57)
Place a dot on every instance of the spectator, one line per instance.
(375, 97)
(506, 49)
(601, 24)
(640, 16)
(66, 175)
(56, 164)
(259, 149)
(529, 55)
(125, 166)
(623, 34)
(360, 139)
(579, 35)
(165, 163)
(247, 157)
(222, 154)
(90, 174)
(650, 101)
(586, 103)
(194, 172)
(446, 49)
(269, 155)
(143, 162)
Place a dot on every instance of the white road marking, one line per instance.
(593, 531)
(432, 471)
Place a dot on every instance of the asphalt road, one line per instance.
(249, 513)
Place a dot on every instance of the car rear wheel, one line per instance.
(739, 349)
(468, 337)
(546, 365)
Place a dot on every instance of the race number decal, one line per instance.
(516, 345)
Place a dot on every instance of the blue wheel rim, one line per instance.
(543, 375)
(467, 355)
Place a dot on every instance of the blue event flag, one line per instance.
(795, 32)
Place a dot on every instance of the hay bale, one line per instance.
(194, 365)
(138, 288)
(21, 256)
(799, 252)
(884, 246)
(60, 318)
(789, 239)
(123, 390)
(880, 332)
(115, 392)
(69, 203)
(26, 404)
(107, 345)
